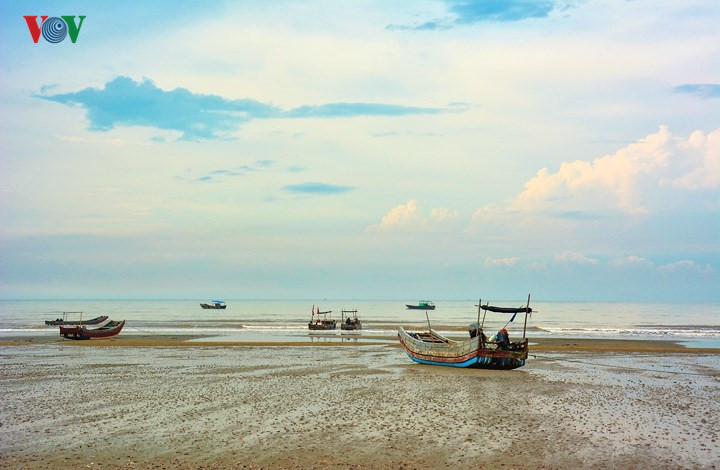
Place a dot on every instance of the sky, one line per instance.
(441, 149)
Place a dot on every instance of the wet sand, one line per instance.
(542, 344)
(149, 402)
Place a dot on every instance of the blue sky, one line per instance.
(434, 149)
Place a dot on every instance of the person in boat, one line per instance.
(503, 340)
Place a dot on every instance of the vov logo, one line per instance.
(54, 29)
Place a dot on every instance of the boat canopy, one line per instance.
(218, 301)
(490, 308)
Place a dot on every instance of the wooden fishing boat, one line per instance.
(433, 348)
(216, 305)
(422, 305)
(81, 332)
(65, 321)
(351, 321)
(320, 321)
(477, 351)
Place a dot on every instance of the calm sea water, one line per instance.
(282, 320)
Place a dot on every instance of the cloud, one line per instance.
(125, 102)
(702, 90)
(409, 217)
(334, 110)
(627, 179)
(317, 188)
(685, 265)
(630, 261)
(467, 12)
(571, 257)
(499, 262)
(242, 170)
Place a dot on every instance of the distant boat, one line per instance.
(112, 328)
(351, 322)
(435, 349)
(422, 305)
(320, 321)
(65, 321)
(216, 304)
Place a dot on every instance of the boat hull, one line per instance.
(213, 307)
(420, 307)
(78, 332)
(323, 325)
(444, 352)
(351, 326)
(92, 321)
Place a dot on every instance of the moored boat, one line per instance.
(320, 321)
(422, 305)
(216, 305)
(498, 353)
(112, 328)
(65, 321)
(349, 320)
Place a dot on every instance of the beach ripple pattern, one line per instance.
(54, 29)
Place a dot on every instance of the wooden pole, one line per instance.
(484, 313)
(526, 314)
(428, 320)
(479, 333)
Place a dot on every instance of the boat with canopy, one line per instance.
(422, 305)
(432, 348)
(349, 320)
(320, 320)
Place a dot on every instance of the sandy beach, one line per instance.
(152, 402)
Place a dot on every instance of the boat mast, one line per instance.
(479, 333)
(527, 307)
(428, 320)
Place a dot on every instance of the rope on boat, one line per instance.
(622, 367)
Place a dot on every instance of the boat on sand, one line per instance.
(64, 320)
(430, 347)
(109, 330)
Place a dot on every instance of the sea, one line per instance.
(691, 324)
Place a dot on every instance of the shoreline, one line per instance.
(542, 344)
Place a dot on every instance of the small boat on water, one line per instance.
(320, 321)
(216, 304)
(432, 348)
(422, 305)
(349, 320)
(110, 329)
(64, 320)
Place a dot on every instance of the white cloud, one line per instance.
(498, 262)
(700, 160)
(409, 217)
(685, 265)
(630, 261)
(625, 180)
(574, 257)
